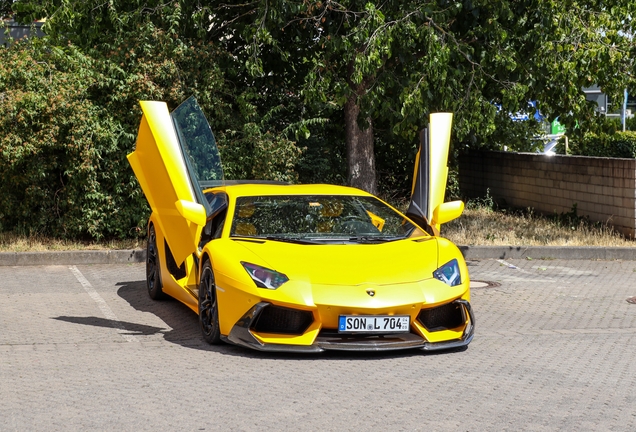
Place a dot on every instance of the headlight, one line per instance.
(264, 277)
(449, 273)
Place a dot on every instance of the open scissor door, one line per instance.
(427, 205)
(174, 156)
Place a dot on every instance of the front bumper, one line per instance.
(333, 341)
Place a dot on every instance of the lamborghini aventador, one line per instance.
(307, 268)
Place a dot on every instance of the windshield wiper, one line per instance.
(374, 239)
(295, 240)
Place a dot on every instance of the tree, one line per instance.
(70, 115)
(396, 61)
(381, 66)
(6, 8)
(247, 120)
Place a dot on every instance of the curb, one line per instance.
(549, 252)
(470, 253)
(72, 257)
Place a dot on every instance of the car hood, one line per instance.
(394, 262)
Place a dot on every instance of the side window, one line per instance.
(218, 223)
(217, 202)
(214, 226)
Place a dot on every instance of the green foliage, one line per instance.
(453, 191)
(569, 219)
(401, 60)
(395, 162)
(70, 117)
(61, 154)
(6, 8)
(619, 145)
(273, 78)
(323, 159)
(512, 135)
(611, 125)
(487, 203)
(405, 59)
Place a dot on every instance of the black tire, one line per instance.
(208, 306)
(153, 267)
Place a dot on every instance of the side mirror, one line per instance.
(192, 212)
(446, 212)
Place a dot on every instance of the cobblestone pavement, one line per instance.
(84, 348)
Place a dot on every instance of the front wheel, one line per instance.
(208, 306)
(153, 267)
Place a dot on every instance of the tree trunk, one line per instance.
(360, 155)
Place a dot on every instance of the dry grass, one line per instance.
(10, 242)
(480, 225)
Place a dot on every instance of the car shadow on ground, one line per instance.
(127, 328)
(184, 330)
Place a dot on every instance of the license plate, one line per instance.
(374, 324)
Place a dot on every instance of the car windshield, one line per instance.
(318, 218)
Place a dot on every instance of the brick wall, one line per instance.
(602, 188)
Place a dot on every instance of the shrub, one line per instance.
(62, 169)
(69, 118)
(614, 124)
(619, 145)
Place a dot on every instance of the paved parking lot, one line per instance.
(84, 348)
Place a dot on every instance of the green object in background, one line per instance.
(557, 128)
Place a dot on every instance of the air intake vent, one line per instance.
(276, 319)
(179, 272)
(444, 317)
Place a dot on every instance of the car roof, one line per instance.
(266, 188)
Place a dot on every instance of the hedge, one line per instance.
(69, 118)
(618, 145)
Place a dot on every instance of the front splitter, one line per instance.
(333, 341)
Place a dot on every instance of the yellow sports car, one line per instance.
(303, 268)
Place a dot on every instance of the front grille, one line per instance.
(332, 340)
(276, 319)
(444, 317)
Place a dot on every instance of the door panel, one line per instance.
(440, 127)
(160, 168)
(431, 170)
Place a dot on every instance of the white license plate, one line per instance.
(374, 324)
